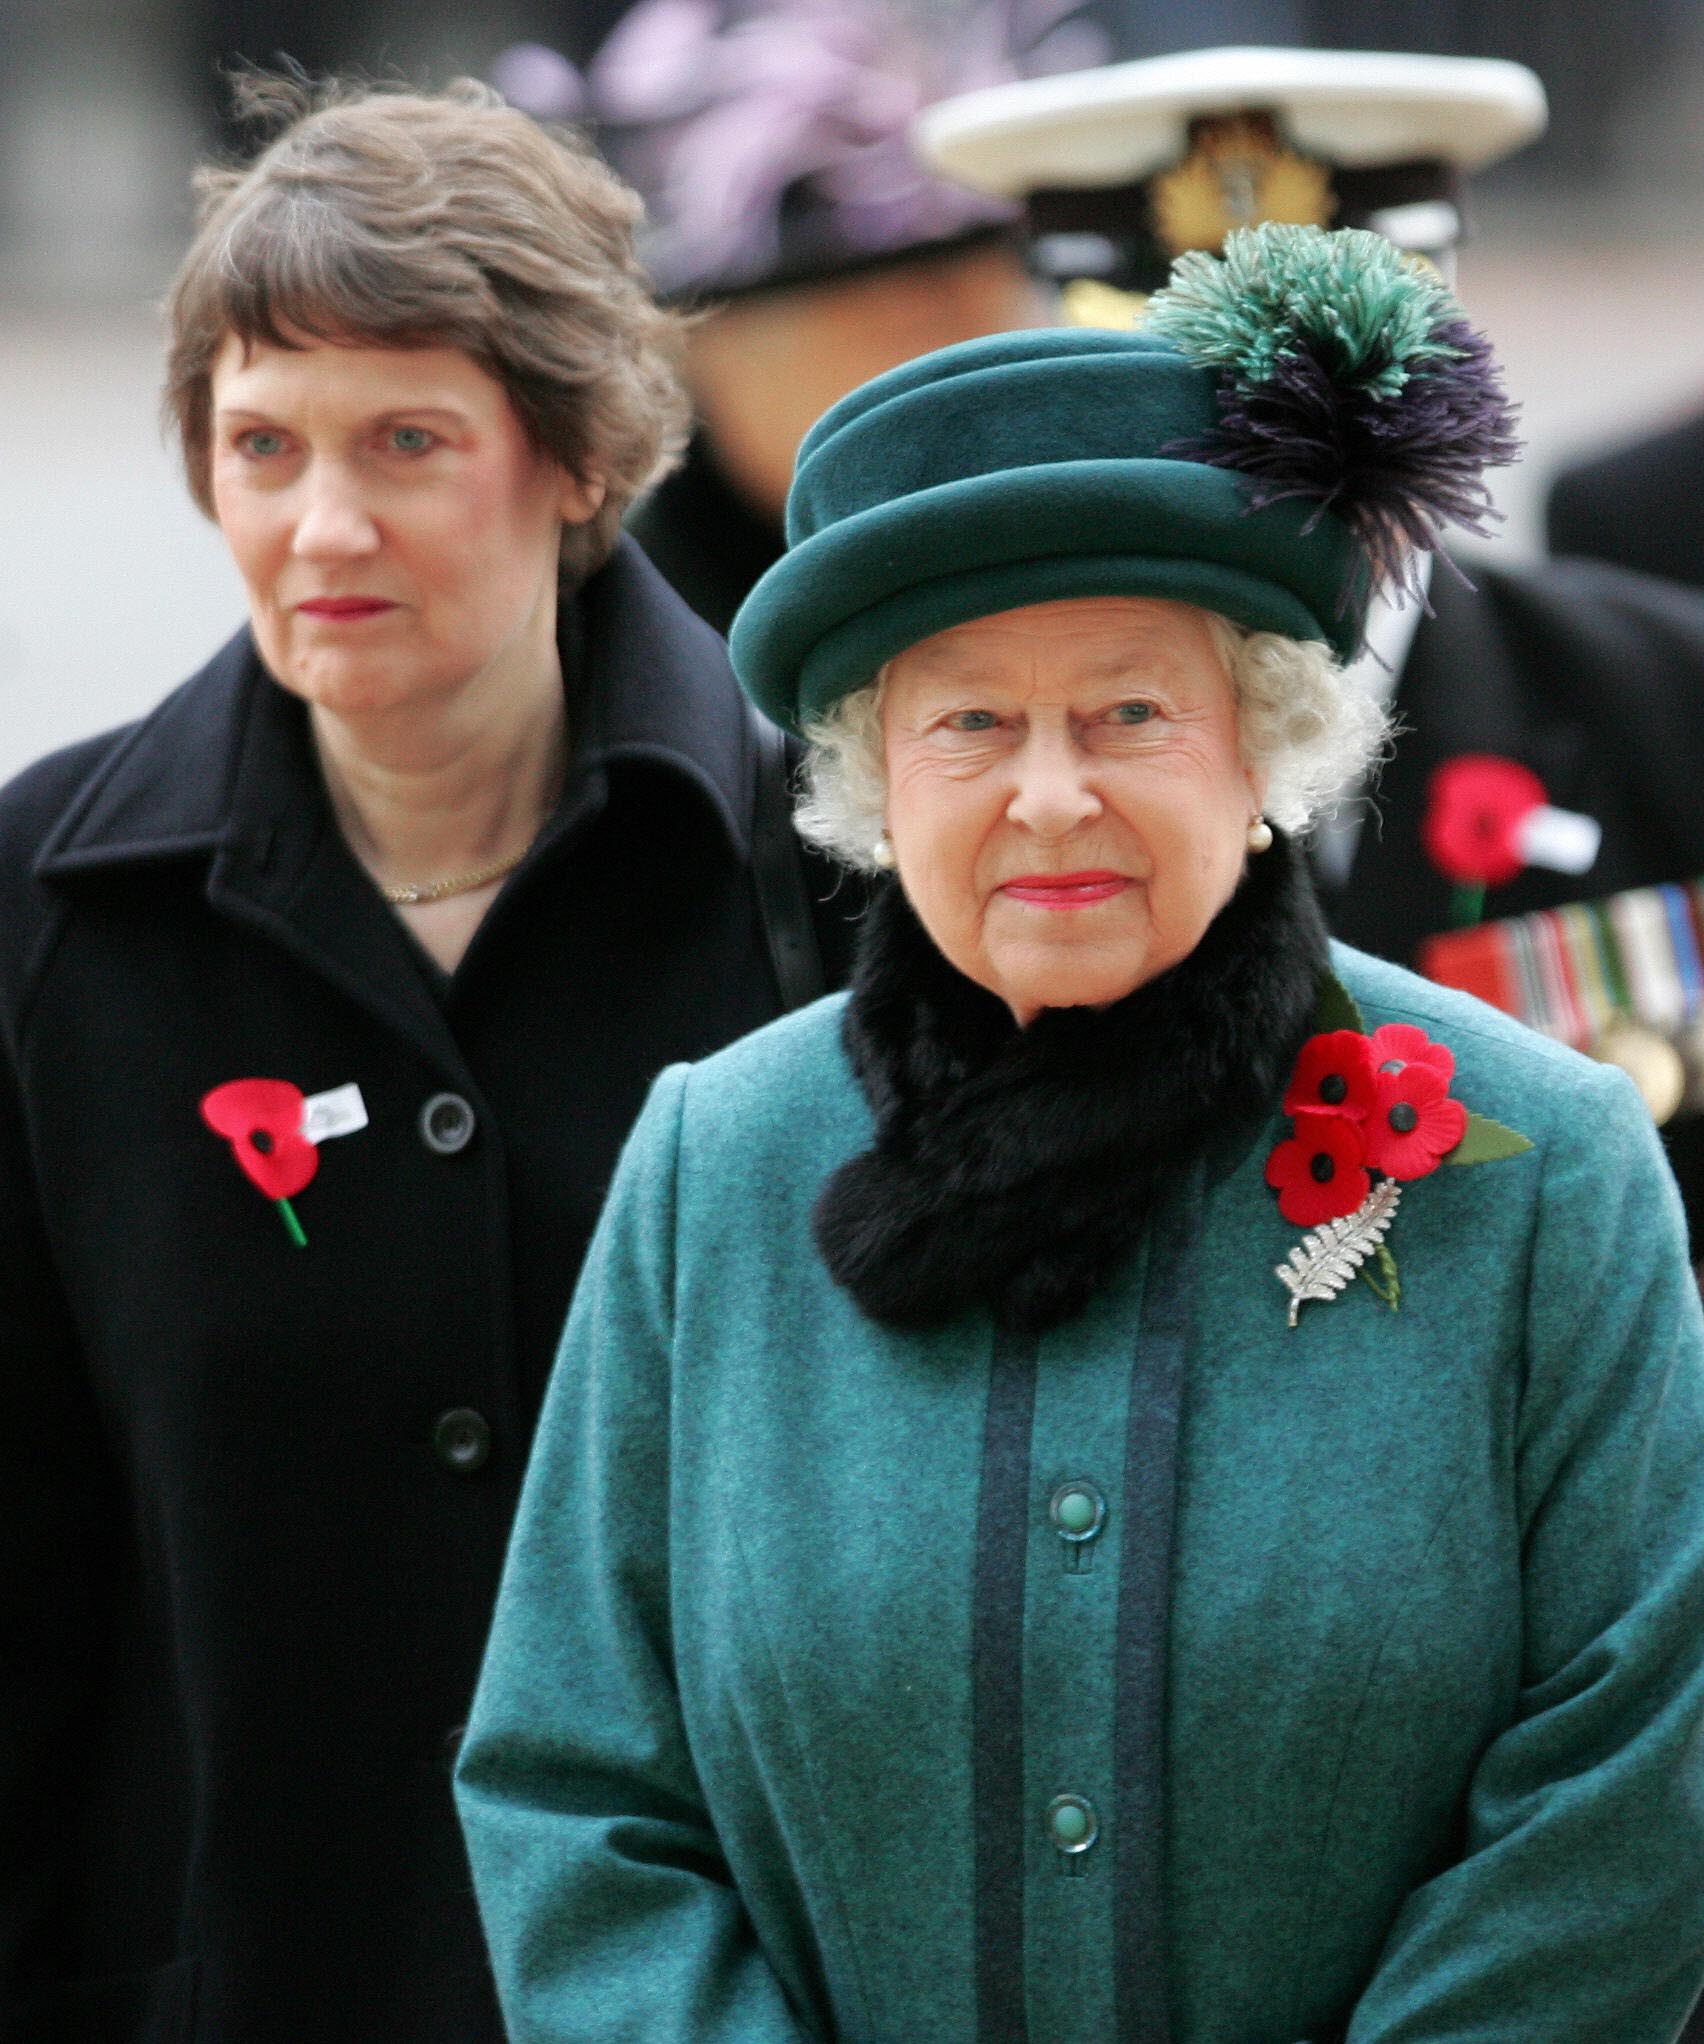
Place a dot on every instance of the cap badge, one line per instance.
(1238, 172)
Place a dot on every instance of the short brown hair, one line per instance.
(404, 219)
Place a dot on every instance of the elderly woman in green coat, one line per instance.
(1136, 1478)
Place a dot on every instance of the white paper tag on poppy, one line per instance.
(338, 1113)
(1559, 840)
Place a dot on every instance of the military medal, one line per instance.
(1621, 979)
(1650, 1061)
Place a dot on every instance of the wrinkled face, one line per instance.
(1066, 800)
(397, 532)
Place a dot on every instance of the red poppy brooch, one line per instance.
(1370, 1113)
(275, 1130)
(1487, 819)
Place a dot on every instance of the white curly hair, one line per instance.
(1311, 725)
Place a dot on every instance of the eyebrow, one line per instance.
(952, 671)
(421, 411)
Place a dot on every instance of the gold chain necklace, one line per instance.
(413, 896)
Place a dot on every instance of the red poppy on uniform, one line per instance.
(1475, 805)
(1414, 1123)
(261, 1119)
(1319, 1173)
(1333, 1075)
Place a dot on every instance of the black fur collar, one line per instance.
(1013, 1167)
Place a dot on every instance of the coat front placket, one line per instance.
(1073, 1595)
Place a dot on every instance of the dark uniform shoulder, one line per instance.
(1576, 588)
(1636, 504)
(1580, 640)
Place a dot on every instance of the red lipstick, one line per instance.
(1065, 890)
(344, 607)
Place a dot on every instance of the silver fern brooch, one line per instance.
(1324, 1263)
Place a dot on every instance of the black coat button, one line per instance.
(462, 1439)
(446, 1124)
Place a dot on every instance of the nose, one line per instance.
(333, 522)
(1054, 792)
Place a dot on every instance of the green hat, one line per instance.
(1019, 469)
(1065, 462)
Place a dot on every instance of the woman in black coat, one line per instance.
(458, 843)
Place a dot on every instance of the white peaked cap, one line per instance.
(1120, 122)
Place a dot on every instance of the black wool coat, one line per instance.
(1594, 678)
(1639, 506)
(255, 1496)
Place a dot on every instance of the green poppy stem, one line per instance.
(292, 1227)
(1467, 904)
(1387, 1286)
(1393, 1282)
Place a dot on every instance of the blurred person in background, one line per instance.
(1640, 505)
(327, 994)
(1537, 831)
(770, 139)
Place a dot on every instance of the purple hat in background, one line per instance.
(770, 138)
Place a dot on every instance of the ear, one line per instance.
(581, 497)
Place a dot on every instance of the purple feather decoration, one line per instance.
(1397, 469)
(1350, 379)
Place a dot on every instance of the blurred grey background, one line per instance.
(1584, 265)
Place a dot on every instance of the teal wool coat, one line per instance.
(1429, 1769)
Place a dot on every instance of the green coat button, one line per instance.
(1071, 1823)
(1077, 1510)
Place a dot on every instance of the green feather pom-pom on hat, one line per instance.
(1271, 291)
(1349, 379)
(1267, 447)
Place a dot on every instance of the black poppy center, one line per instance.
(1334, 1089)
(1323, 1167)
(1404, 1118)
(261, 1141)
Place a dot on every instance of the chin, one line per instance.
(354, 688)
(1100, 996)
(1093, 984)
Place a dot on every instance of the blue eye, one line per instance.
(1131, 713)
(973, 720)
(410, 439)
(262, 442)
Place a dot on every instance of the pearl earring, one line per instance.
(882, 852)
(1260, 835)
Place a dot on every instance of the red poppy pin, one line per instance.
(275, 1130)
(1370, 1114)
(1487, 819)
